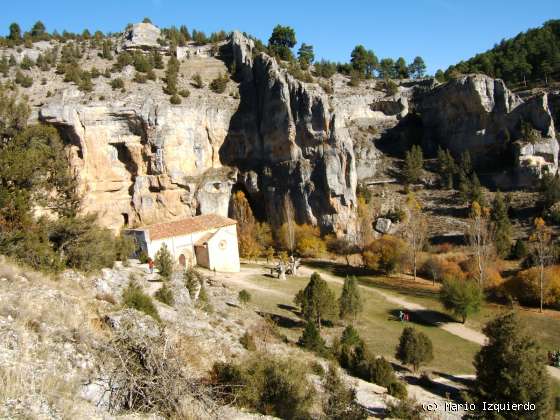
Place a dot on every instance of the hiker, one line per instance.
(151, 265)
(406, 317)
(401, 316)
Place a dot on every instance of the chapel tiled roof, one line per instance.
(187, 226)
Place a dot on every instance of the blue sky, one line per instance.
(441, 31)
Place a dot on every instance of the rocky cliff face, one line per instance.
(479, 114)
(289, 146)
(141, 160)
(148, 161)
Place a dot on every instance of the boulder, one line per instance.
(383, 225)
(141, 36)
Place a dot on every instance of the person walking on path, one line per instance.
(151, 265)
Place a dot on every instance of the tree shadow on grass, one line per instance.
(341, 270)
(443, 390)
(282, 321)
(425, 317)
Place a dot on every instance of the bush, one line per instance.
(23, 80)
(272, 386)
(124, 247)
(244, 297)
(185, 93)
(520, 250)
(197, 81)
(164, 262)
(117, 83)
(397, 389)
(134, 297)
(414, 348)
(439, 269)
(406, 409)
(193, 281)
(340, 402)
(140, 78)
(311, 339)
(381, 372)
(219, 84)
(175, 100)
(311, 247)
(165, 295)
(461, 297)
(387, 254)
(248, 341)
(525, 286)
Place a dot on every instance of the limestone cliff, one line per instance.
(140, 159)
(479, 114)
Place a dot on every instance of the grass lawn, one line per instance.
(377, 324)
(544, 327)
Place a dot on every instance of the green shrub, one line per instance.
(165, 295)
(219, 84)
(193, 280)
(311, 339)
(185, 93)
(133, 297)
(397, 389)
(143, 257)
(117, 83)
(520, 250)
(340, 402)
(406, 409)
(272, 386)
(140, 78)
(381, 372)
(414, 348)
(164, 262)
(175, 100)
(197, 81)
(317, 368)
(248, 341)
(244, 297)
(23, 80)
(124, 247)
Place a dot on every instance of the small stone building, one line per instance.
(208, 240)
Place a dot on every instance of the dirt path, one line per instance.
(426, 315)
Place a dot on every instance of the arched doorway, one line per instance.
(182, 261)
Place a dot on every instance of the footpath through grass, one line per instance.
(378, 324)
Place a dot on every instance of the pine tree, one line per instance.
(164, 262)
(502, 225)
(311, 339)
(447, 168)
(281, 41)
(350, 303)
(414, 348)
(512, 368)
(306, 56)
(317, 301)
(413, 163)
(417, 68)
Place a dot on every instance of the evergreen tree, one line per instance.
(401, 69)
(38, 31)
(502, 225)
(447, 168)
(281, 41)
(164, 262)
(306, 56)
(15, 33)
(461, 297)
(350, 304)
(311, 339)
(417, 68)
(387, 69)
(511, 368)
(317, 301)
(440, 76)
(414, 348)
(413, 164)
(364, 61)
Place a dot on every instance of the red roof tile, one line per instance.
(187, 226)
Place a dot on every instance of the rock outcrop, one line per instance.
(143, 35)
(286, 134)
(479, 114)
(140, 159)
(147, 162)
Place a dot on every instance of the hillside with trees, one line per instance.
(529, 58)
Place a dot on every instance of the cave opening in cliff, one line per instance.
(244, 206)
(125, 219)
(125, 157)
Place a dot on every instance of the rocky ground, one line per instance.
(55, 332)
